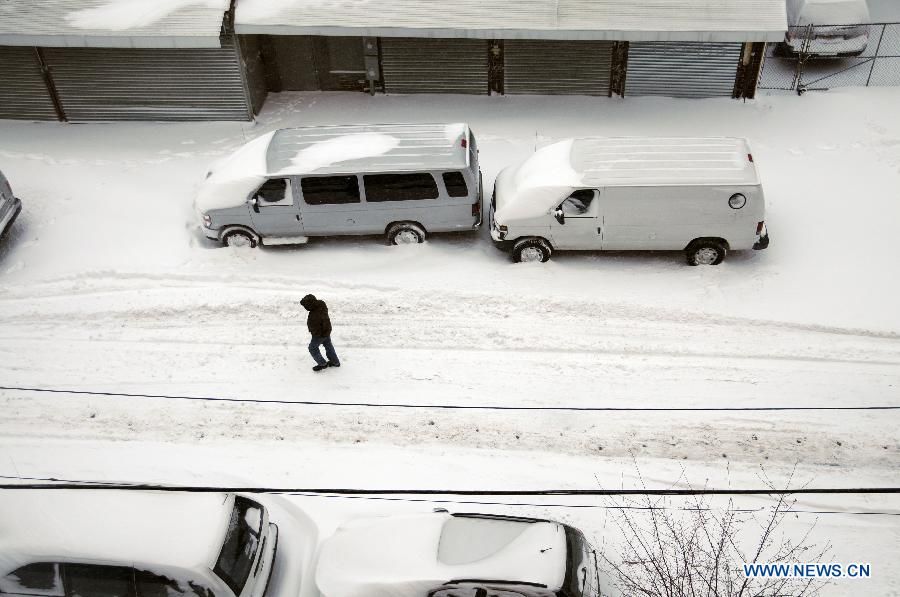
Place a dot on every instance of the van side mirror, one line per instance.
(559, 215)
(254, 203)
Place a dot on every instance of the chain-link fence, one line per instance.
(819, 57)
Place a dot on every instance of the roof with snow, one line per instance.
(130, 527)
(630, 20)
(368, 148)
(407, 556)
(112, 23)
(645, 161)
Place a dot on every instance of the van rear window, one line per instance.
(400, 187)
(241, 542)
(330, 190)
(456, 184)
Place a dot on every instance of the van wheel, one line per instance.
(531, 250)
(707, 252)
(239, 238)
(405, 234)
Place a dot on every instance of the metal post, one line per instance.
(51, 87)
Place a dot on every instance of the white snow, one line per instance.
(121, 15)
(106, 284)
(231, 180)
(538, 184)
(398, 557)
(356, 146)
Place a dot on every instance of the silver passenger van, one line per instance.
(702, 196)
(401, 180)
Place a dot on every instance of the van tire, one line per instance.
(706, 252)
(531, 249)
(239, 238)
(405, 233)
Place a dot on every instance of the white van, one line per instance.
(90, 543)
(700, 196)
(400, 180)
(10, 206)
(840, 27)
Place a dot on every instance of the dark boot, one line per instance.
(320, 367)
(333, 364)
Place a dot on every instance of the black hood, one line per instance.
(309, 301)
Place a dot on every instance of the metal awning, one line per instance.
(112, 23)
(630, 20)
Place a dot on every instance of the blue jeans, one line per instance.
(314, 345)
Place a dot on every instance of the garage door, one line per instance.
(410, 65)
(149, 84)
(557, 67)
(682, 69)
(23, 92)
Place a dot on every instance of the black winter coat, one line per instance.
(317, 321)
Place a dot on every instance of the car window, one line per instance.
(241, 542)
(98, 581)
(400, 187)
(276, 191)
(330, 190)
(149, 584)
(34, 579)
(578, 203)
(456, 184)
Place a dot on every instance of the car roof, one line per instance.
(183, 530)
(351, 149)
(642, 161)
(406, 556)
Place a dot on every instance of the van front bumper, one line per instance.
(210, 233)
(762, 243)
(10, 216)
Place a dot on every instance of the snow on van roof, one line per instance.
(406, 556)
(114, 527)
(368, 148)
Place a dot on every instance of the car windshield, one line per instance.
(241, 543)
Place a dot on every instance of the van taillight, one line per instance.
(464, 143)
(759, 227)
(476, 208)
(750, 156)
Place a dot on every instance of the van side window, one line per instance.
(330, 190)
(275, 191)
(400, 187)
(456, 184)
(578, 203)
(34, 579)
(98, 581)
(154, 585)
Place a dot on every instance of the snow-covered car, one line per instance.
(835, 28)
(400, 180)
(700, 196)
(457, 555)
(10, 205)
(93, 543)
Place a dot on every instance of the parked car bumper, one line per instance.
(210, 233)
(11, 215)
(837, 46)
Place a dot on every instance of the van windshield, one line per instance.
(241, 543)
(581, 569)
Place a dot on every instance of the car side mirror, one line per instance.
(254, 203)
(559, 215)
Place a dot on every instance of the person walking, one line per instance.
(319, 325)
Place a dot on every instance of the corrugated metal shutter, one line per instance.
(411, 65)
(682, 69)
(557, 67)
(149, 84)
(23, 92)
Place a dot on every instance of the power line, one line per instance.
(482, 407)
(64, 484)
